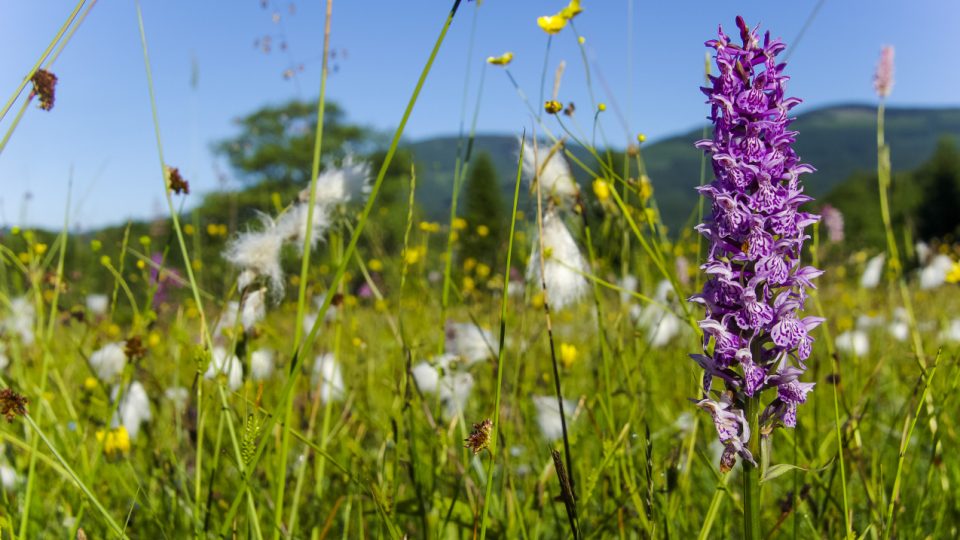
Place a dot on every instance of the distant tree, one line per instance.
(275, 143)
(940, 180)
(483, 210)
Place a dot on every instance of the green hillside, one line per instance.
(838, 141)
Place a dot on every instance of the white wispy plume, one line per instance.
(339, 185)
(548, 416)
(133, 410)
(254, 308)
(448, 379)
(97, 304)
(295, 222)
(327, 378)
(470, 342)
(934, 274)
(261, 364)
(661, 325)
(226, 364)
(257, 254)
(9, 477)
(873, 272)
(552, 170)
(854, 341)
(108, 361)
(21, 319)
(564, 266)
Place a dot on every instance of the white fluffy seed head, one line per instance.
(226, 364)
(108, 361)
(873, 272)
(340, 185)
(261, 364)
(21, 319)
(97, 304)
(470, 342)
(552, 170)
(548, 416)
(563, 267)
(254, 308)
(326, 375)
(294, 224)
(258, 253)
(133, 410)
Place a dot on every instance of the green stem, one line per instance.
(751, 475)
(504, 301)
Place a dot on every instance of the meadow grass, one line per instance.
(371, 452)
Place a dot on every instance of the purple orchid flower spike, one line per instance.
(755, 336)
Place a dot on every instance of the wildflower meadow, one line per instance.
(560, 332)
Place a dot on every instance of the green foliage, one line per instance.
(939, 178)
(275, 143)
(483, 207)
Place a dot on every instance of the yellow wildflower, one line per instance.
(376, 265)
(572, 10)
(140, 264)
(501, 60)
(40, 249)
(483, 271)
(601, 189)
(483, 231)
(953, 276)
(646, 188)
(468, 284)
(105, 260)
(551, 24)
(641, 138)
(459, 224)
(602, 106)
(188, 229)
(145, 241)
(568, 354)
(116, 442)
(90, 383)
(469, 264)
(24, 257)
(411, 256)
(581, 40)
(553, 106)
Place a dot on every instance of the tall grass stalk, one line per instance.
(46, 52)
(504, 302)
(298, 356)
(281, 472)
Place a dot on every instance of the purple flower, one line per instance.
(755, 337)
(833, 221)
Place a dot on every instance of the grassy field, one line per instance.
(302, 379)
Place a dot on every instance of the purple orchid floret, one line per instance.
(755, 337)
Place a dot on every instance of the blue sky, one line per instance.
(650, 54)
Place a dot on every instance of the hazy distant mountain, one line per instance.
(836, 140)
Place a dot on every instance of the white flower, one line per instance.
(548, 416)
(869, 321)
(629, 285)
(254, 308)
(873, 272)
(854, 341)
(258, 252)
(108, 361)
(177, 395)
(899, 328)
(444, 377)
(923, 251)
(4, 359)
(21, 319)
(98, 303)
(554, 172)
(564, 266)
(470, 342)
(226, 364)
(934, 274)
(134, 408)
(340, 185)
(661, 324)
(9, 477)
(261, 364)
(326, 375)
(952, 332)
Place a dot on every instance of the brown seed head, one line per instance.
(44, 85)
(177, 184)
(480, 436)
(134, 348)
(12, 404)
